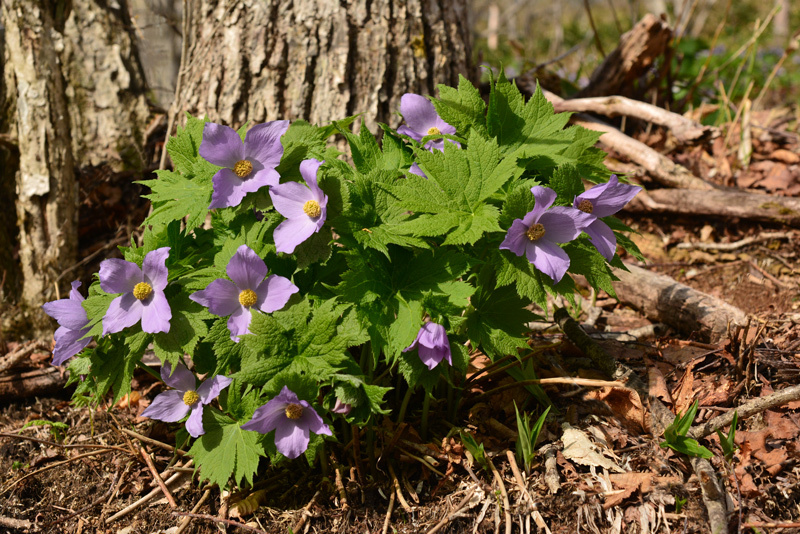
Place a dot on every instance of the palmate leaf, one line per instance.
(226, 451)
(175, 196)
(499, 320)
(462, 108)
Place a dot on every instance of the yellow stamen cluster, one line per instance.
(294, 411)
(142, 290)
(585, 206)
(190, 398)
(312, 209)
(248, 298)
(243, 168)
(535, 232)
(433, 130)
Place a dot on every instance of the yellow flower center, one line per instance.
(142, 290)
(294, 411)
(312, 209)
(248, 298)
(243, 168)
(585, 206)
(535, 232)
(433, 130)
(190, 398)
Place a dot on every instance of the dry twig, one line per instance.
(228, 522)
(157, 477)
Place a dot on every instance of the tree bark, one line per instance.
(319, 60)
(46, 188)
(79, 93)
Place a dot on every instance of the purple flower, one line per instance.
(248, 166)
(73, 325)
(341, 408)
(537, 234)
(142, 293)
(433, 345)
(172, 406)
(248, 290)
(422, 120)
(291, 419)
(601, 201)
(305, 208)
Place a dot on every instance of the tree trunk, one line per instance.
(79, 95)
(320, 60)
(46, 189)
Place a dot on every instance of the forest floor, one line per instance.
(600, 467)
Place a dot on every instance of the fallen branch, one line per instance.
(719, 203)
(661, 168)
(41, 382)
(748, 409)
(13, 359)
(144, 500)
(687, 310)
(685, 130)
(735, 245)
(151, 466)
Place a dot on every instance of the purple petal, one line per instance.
(516, 240)
(292, 232)
(268, 417)
(405, 130)
(544, 199)
(263, 143)
(227, 190)
(154, 268)
(609, 198)
(261, 178)
(414, 169)
(548, 258)
(341, 408)
(211, 388)
(603, 239)
(221, 297)
(168, 407)
(291, 439)
(69, 313)
(309, 169)
(289, 199)
(431, 357)
(274, 292)
(124, 311)
(156, 313)
(239, 323)
(119, 276)
(69, 343)
(415, 344)
(312, 421)
(246, 269)
(74, 294)
(194, 425)
(563, 224)
(418, 112)
(181, 379)
(221, 145)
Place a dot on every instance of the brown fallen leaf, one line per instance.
(657, 382)
(626, 405)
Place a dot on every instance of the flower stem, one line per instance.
(149, 370)
(426, 408)
(404, 405)
(323, 460)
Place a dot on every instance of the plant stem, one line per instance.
(426, 408)
(404, 405)
(149, 370)
(323, 460)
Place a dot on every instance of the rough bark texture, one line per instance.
(9, 163)
(105, 86)
(320, 60)
(79, 93)
(158, 24)
(634, 55)
(47, 194)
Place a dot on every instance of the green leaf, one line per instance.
(175, 196)
(567, 183)
(728, 443)
(183, 149)
(226, 451)
(498, 322)
(462, 108)
(185, 329)
(687, 446)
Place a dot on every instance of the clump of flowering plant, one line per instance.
(360, 255)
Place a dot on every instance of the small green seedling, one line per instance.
(675, 436)
(727, 442)
(476, 450)
(527, 436)
(55, 428)
(679, 504)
